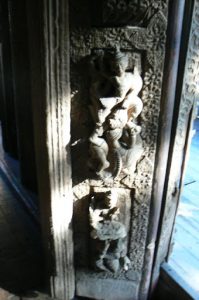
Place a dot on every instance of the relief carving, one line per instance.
(108, 234)
(115, 143)
(116, 106)
(150, 39)
(132, 12)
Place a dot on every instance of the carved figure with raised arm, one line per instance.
(115, 106)
(108, 234)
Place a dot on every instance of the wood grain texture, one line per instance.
(164, 136)
(51, 107)
(58, 138)
(185, 97)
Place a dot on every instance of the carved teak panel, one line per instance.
(116, 79)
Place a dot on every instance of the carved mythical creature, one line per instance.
(108, 234)
(115, 106)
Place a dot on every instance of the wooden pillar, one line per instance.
(184, 99)
(49, 56)
(176, 13)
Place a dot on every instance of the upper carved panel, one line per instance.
(131, 12)
(150, 39)
(145, 47)
(116, 13)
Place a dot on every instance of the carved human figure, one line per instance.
(115, 106)
(108, 234)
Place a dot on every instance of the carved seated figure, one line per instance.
(108, 234)
(115, 106)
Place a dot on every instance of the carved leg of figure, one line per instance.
(126, 263)
(118, 248)
(120, 252)
(100, 265)
(100, 259)
(134, 131)
(113, 264)
(99, 150)
(112, 259)
(100, 155)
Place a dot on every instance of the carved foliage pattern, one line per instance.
(151, 39)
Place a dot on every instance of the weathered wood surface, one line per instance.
(50, 90)
(185, 255)
(181, 123)
(164, 137)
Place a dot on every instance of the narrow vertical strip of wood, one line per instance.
(167, 105)
(58, 139)
(185, 96)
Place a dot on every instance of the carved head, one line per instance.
(115, 62)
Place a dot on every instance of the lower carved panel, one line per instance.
(93, 287)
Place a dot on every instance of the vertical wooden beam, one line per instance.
(49, 52)
(165, 124)
(186, 95)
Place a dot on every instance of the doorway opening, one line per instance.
(184, 257)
